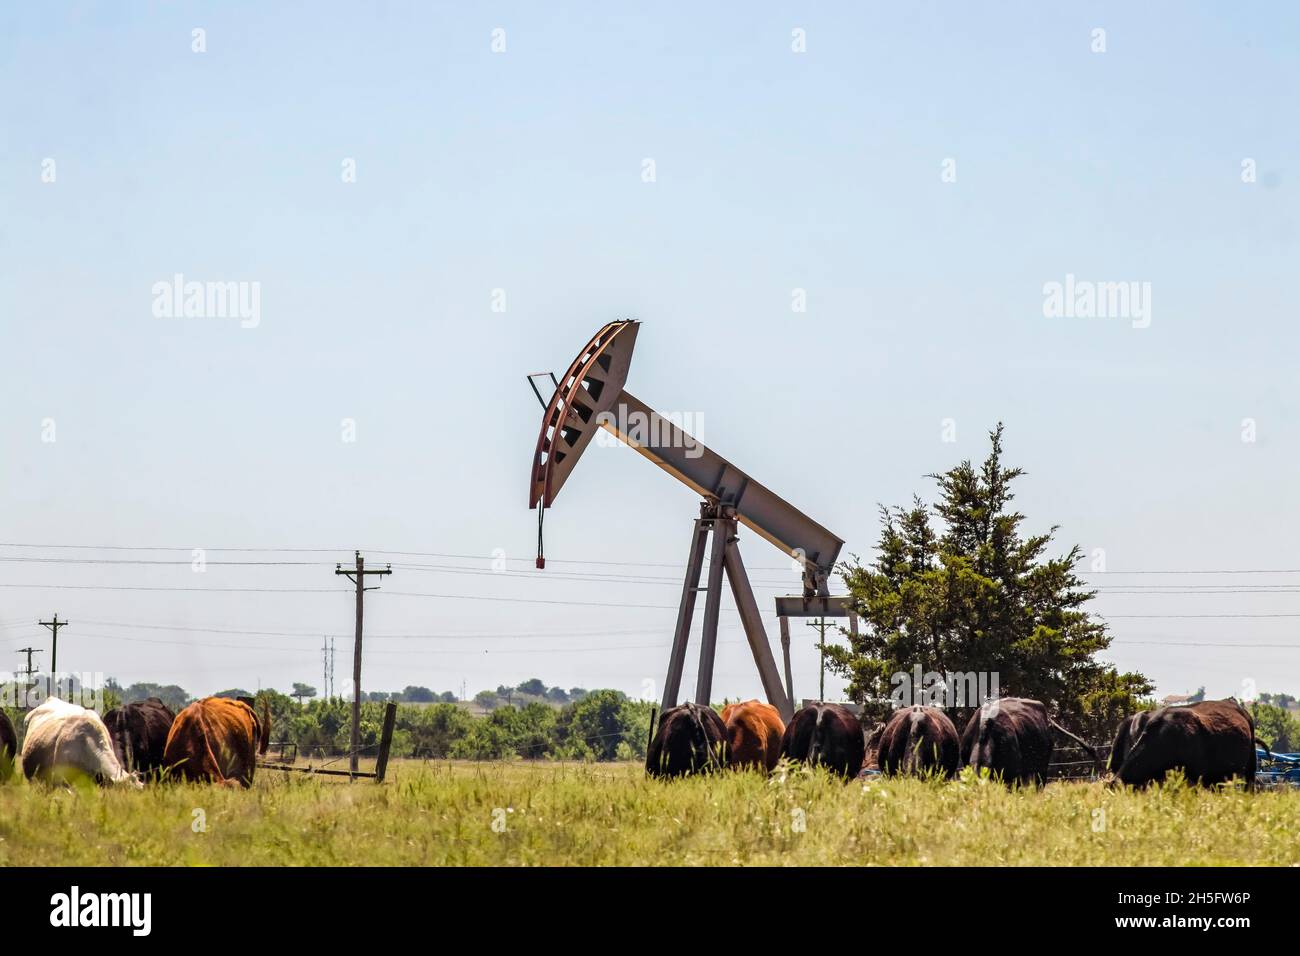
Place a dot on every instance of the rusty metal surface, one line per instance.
(590, 386)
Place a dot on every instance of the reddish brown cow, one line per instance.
(217, 740)
(754, 732)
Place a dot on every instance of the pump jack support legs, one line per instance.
(720, 521)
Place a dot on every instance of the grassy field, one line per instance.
(540, 814)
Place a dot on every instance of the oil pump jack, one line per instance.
(591, 396)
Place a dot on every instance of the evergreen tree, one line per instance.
(961, 588)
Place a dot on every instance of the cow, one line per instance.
(8, 747)
(217, 740)
(827, 735)
(1126, 736)
(754, 732)
(65, 743)
(871, 756)
(919, 740)
(689, 739)
(1211, 742)
(1012, 738)
(139, 734)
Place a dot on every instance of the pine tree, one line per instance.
(960, 588)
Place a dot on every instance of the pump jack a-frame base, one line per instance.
(719, 521)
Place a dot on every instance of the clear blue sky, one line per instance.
(522, 171)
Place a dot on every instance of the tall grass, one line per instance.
(512, 814)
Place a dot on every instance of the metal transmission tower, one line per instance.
(360, 573)
(590, 395)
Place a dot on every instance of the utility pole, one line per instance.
(360, 581)
(821, 624)
(54, 626)
(27, 685)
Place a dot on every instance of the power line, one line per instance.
(137, 561)
(469, 635)
(1114, 617)
(133, 587)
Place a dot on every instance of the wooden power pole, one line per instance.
(54, 626)
(360, 580)
(821, 624)
(27, 684)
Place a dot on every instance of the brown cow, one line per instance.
(8, 747)
(826, 734)
(139, 734)
(690, 739)
(754, 732)
(919, 740)
(1126, 735)
(217, 740)
(1211, 742)
(1011, 737)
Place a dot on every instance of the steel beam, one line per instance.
(690, 461)
(753, 624)
(685, 612)
(712, 607)
(796, 605)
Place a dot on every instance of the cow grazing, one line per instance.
(1012, 737)
(217, 740)
(689, 739)
(139, 734)
(871, 757)
(919, 740)
(1126, 736)
(827, 735)
(65, 743)
(8, 747)
(1211, 742)
(754, 732)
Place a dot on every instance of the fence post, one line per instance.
(385, 741)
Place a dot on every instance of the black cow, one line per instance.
(139, 734)
(8, 746)
(919, 740)
(1012, 737)
(1211, 742)
(826, 734)
(1126, 736)
(689, 739)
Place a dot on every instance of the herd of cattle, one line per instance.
(1211, 742)
(218, 739)
(214, 740)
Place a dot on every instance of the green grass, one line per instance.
(441, 813)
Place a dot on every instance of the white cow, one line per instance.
(65, 742)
